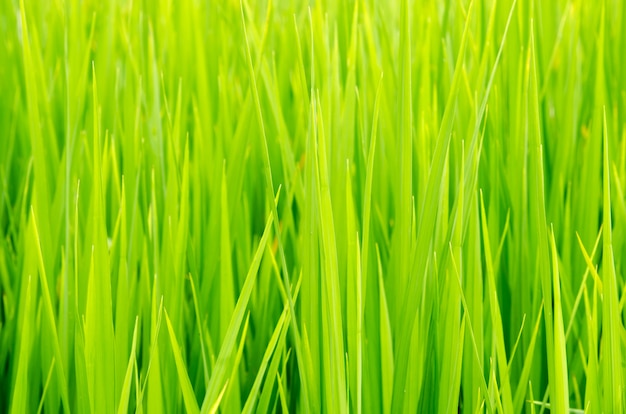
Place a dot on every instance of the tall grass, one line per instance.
(325, 206)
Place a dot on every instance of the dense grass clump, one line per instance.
(312, 206)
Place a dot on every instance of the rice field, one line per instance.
(334, 206)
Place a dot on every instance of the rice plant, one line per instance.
(312, 206)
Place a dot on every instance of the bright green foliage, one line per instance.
(324, 206)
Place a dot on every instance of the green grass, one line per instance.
(324, 206)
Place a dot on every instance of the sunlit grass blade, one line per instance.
(223, 365)
(191, 404)
(560, 400)
(496, 318)
(612, 366)
(128, 377)
(49, 314)
(20, 397)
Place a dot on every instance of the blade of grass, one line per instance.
(611, 347)
(222, 365)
